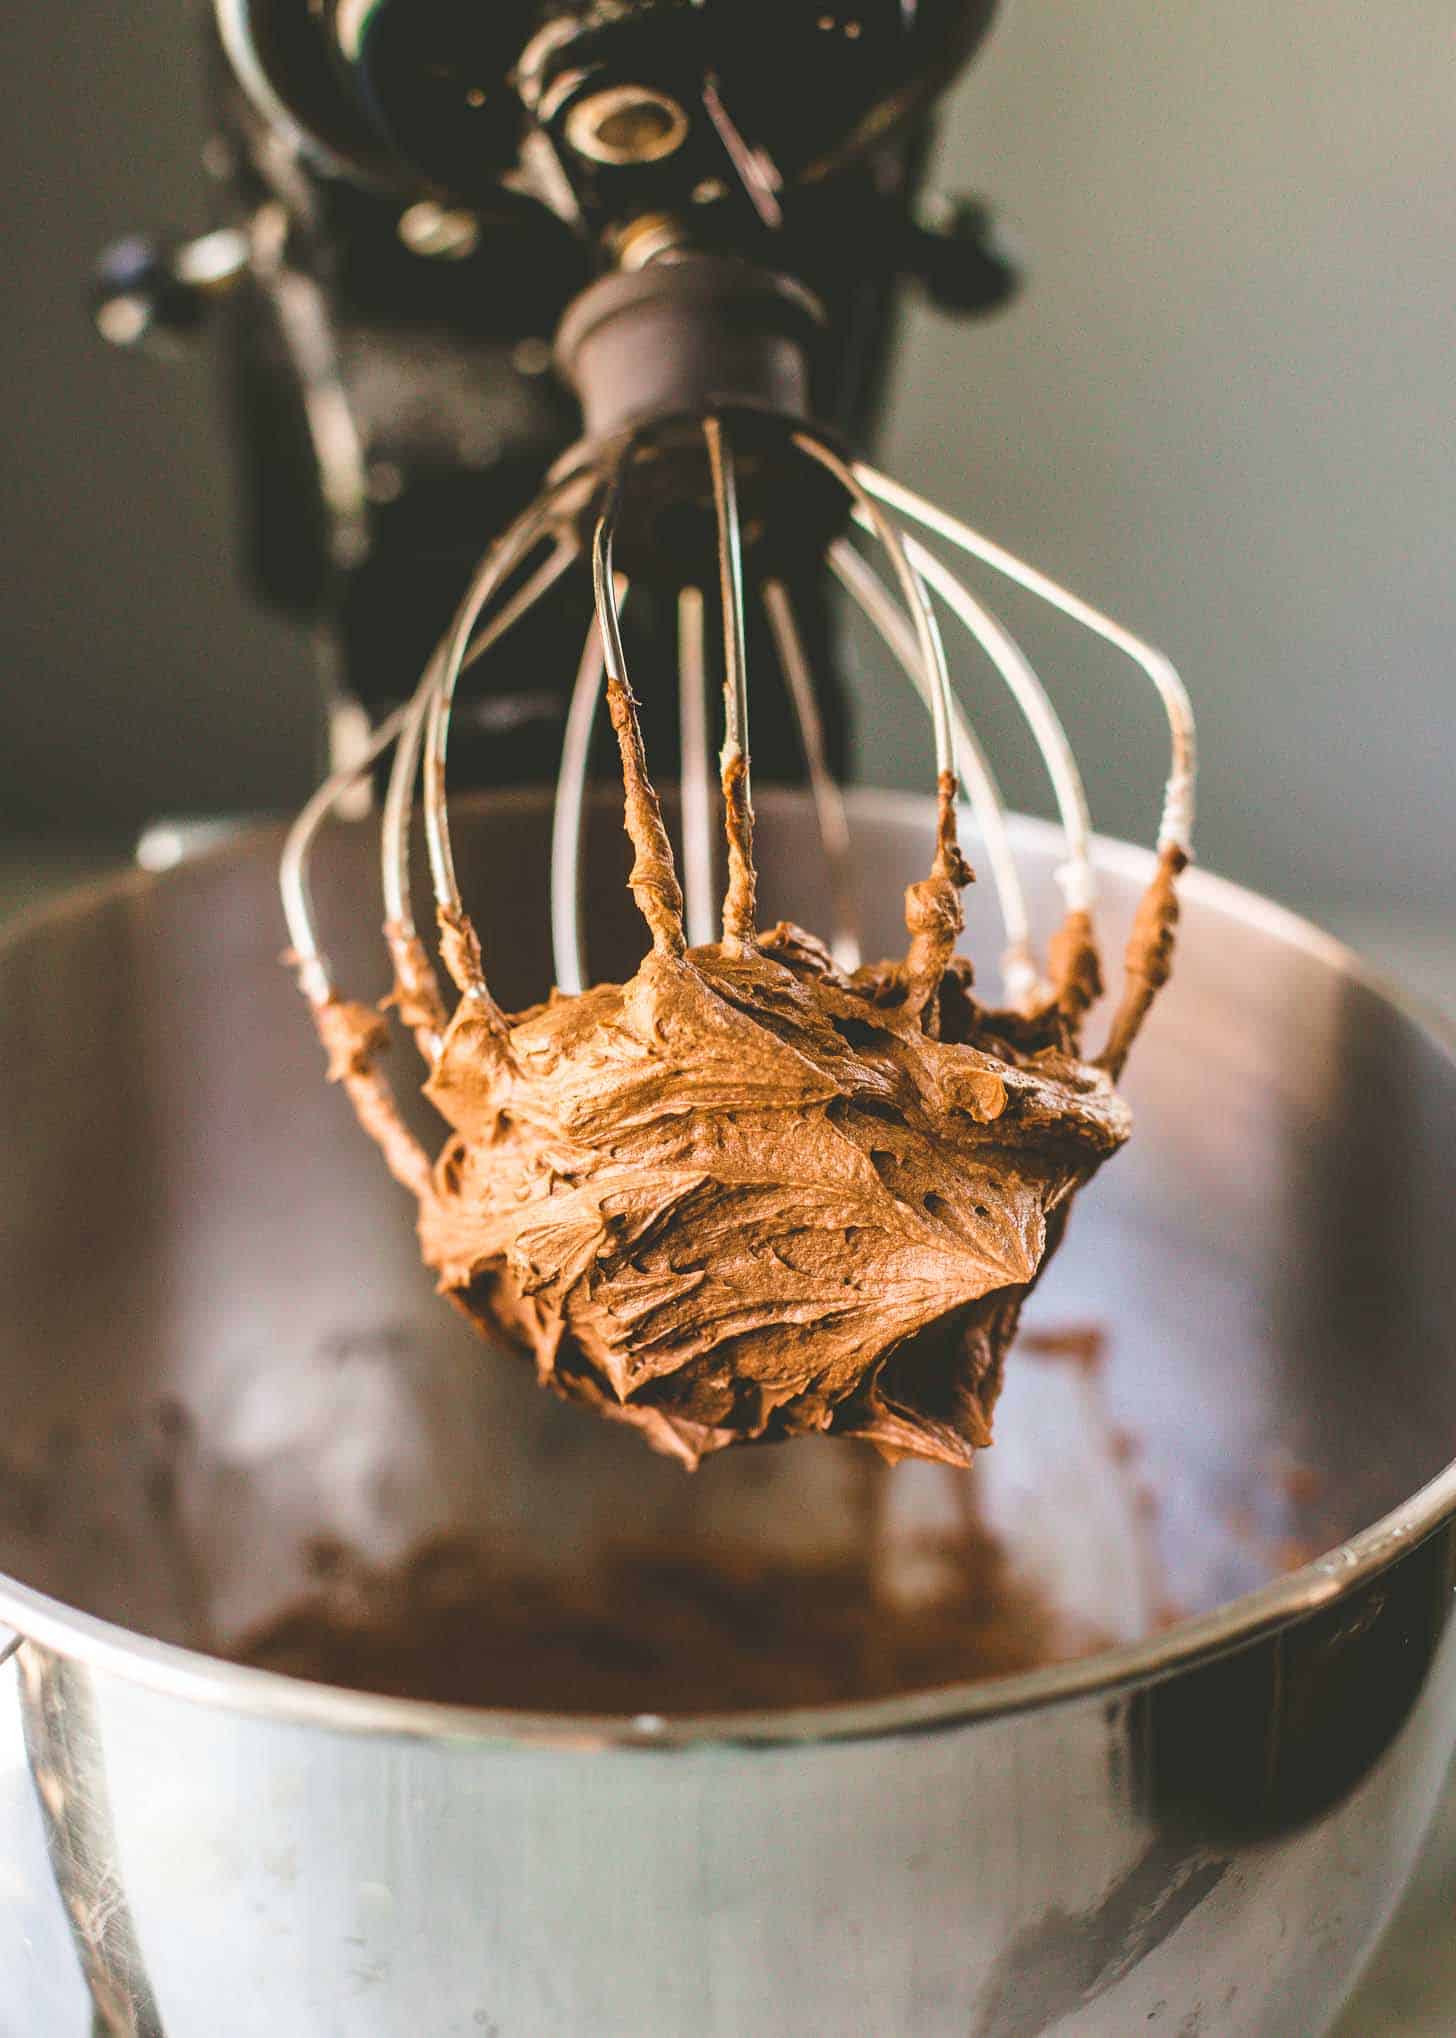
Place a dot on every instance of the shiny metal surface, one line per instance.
(216, 1346)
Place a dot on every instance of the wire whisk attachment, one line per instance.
(574, 523)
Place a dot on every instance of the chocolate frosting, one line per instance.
(745, 1195)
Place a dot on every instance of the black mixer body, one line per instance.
(442, 180)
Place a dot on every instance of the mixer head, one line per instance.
(753, 139)
(412, 197)
(602, 110)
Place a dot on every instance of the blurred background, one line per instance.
(1222, 410)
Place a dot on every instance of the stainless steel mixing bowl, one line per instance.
(216, 1347)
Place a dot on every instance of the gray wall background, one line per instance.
(1223, 411)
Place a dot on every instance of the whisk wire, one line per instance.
(824, 788)
(740, 901)
(917, 601)
(973, 767)
(314, 975)
(1176, 826)
(399, 796)
(696, 776)
(568, 816)
(653, 880)
(1075, 875)
(504, 558)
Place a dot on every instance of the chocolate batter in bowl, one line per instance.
(574, 1699)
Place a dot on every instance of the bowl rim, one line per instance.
(187, 1674)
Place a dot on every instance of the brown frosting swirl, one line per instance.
(745, 1195)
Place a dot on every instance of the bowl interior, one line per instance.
(233, 1413)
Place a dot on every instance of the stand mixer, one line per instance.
(217, 1408)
